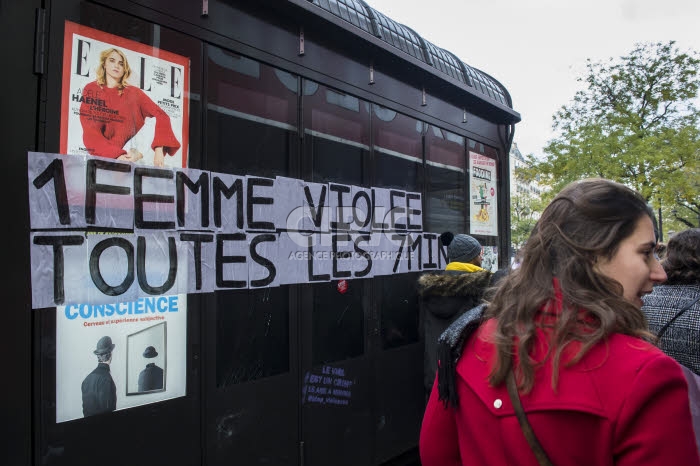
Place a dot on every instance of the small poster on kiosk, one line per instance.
(127, 101)
(118, 356)
(483, 212)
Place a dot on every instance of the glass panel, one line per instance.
(252, 116)
(398, 150)
(399, 310)
(482, 149)
(337, 135)
(446, 163)
(399, 36)
(252, 335)
(338, 323)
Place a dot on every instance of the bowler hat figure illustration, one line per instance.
(151, 378)
(150, 352)
(104, 346)
(98, 389)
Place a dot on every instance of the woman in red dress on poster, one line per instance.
(112, 112)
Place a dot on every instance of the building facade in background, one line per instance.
(518, 186)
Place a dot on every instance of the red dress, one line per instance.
(623, 403)
(110, 120)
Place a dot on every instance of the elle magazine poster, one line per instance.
(123, 100)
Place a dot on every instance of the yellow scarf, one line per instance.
(464, 267)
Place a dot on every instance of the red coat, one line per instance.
(110, 119)
(624, 403)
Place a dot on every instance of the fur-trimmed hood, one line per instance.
(453, 284)
(444, 296)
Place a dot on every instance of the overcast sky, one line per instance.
(537, 48)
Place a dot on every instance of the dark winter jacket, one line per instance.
(151, 378)
(99, 391)
(444, 296)
(682, 339)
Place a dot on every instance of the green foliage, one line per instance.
(525, 209)
(522, 220)
(634, 122)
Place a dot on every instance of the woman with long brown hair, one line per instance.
(565, 333)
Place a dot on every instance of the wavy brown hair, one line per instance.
(585, 222)
(682, 263)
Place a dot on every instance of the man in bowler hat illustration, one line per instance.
(151, 378)
(99, 390)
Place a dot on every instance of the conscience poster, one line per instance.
(119, 356)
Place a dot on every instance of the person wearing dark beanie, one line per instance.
(462, 249)
(445, 295)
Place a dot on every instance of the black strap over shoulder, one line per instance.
(678, 314)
